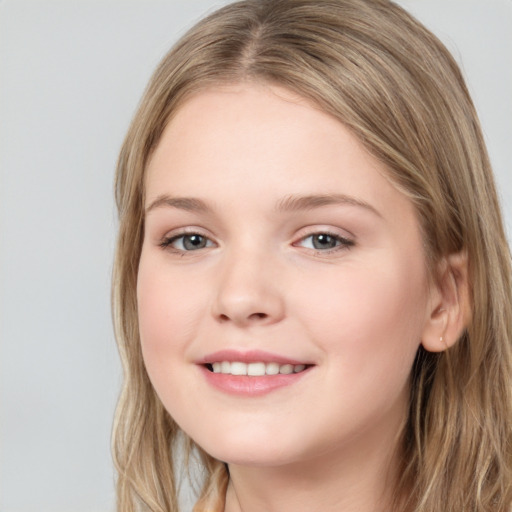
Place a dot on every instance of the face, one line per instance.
(282, 287)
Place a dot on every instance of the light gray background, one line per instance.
(71, 74)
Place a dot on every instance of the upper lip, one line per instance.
(249, 356)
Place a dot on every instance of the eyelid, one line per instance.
(167, 240)
(346, 242)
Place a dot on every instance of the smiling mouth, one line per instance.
(256, 369)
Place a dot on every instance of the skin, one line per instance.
(356, 312)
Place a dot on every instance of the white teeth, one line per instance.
(255, 369)
(238, 368)
(272, 369)
(286, 369)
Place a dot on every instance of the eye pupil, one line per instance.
(324, 241)
(191, 242)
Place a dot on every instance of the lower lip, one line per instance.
(243, 385)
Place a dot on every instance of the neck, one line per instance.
(359, 477)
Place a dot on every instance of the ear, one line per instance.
(450, 308)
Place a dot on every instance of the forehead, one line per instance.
(253, 114)
(240, 139)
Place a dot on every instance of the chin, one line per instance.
(255, 451)
(252, 458)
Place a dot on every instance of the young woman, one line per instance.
(312, 281)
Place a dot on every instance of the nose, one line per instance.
(248, 292)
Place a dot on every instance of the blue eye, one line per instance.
(188, 242)
(324, 242)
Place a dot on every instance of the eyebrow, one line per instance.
(289, 203)
(189, 204)
(298, 203)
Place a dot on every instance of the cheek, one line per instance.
(372, 319)
(167, 314)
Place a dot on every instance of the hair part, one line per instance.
(395, 86)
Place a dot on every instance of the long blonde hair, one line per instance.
(387, 78)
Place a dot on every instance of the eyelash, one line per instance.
(342, 243)
(167, 242)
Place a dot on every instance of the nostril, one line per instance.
(253, 317)
(258, 316)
